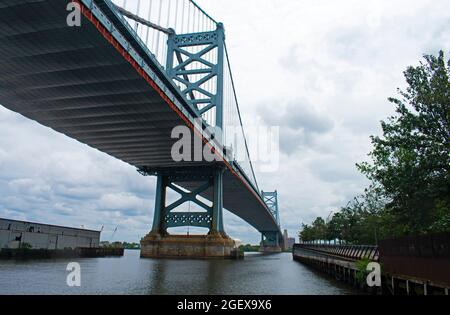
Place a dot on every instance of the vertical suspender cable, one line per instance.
(176, 16)
(137, 13)
(182, 17)
(158, 33)
(196, 16)
(210, 80)
(204, 24)
(125, 5)
(165, 48)
(230, 108)
(168, 14)
(148, 19)
(189, 18)
(240, 118)
(195, 20)
(155, 32)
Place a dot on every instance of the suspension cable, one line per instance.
(239, 115)
(148, 20)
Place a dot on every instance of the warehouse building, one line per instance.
(19, 234)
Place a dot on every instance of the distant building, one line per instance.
(291, 242)
(17, 234)
(288, 241)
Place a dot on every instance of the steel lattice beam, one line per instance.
(165, 216)
(194, 71)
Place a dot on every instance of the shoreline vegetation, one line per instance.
(124, 245)
(248, 248)
(409, 171)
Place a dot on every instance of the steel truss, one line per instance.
(193, 69)
(165, 216)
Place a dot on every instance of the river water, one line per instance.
(256, 274)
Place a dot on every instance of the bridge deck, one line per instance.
(73, 80)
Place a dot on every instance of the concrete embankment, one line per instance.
(408, 266)
(339, 262)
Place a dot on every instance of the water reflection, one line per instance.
(257, 274)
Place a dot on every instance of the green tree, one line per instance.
(335, 227)
(317, 231)
(306, 233)
(320, 229)
(411, 159)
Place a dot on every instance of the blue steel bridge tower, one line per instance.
(197, 63)
(271, 239)
(190, 68)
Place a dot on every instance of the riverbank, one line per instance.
(339, 263)
(26, 253)
(406, 266)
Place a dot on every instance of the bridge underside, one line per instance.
(73, 80)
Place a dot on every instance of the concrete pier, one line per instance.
(270, 249)
(271, 242)
(187, 246)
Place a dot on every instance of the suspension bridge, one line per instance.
(120, 81)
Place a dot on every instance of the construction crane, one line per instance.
(114, 233)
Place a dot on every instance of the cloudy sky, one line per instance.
(321, 70)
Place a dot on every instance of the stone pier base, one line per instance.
(270, 249)
(184, 246)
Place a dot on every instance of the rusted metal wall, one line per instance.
(425, 258)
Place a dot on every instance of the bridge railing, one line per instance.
(153, 21)
(351, 252)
